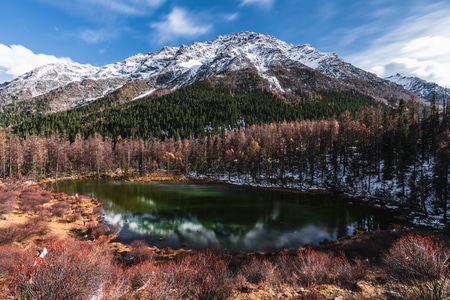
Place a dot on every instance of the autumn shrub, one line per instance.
(19, 232)
(204, 275)
(341, 272)
(9, 234)
(70, 218)
(6, 196)
(139, 253)
(32, 199)
(70, 270)
(94, 231)
(305, 267)
(308, 267)
(7, 201)
(162, 282)
(10, 258)
(359, 271)
(413, 257)
(140, 275)
(260, 270)
(251, 270)
(312, 267)
(59, 209)
(421, 263)
(35, 226)
(44, 214)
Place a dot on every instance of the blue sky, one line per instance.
(385, 37)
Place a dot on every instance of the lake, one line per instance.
(233, 218)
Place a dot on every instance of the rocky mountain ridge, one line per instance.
(421, 88)
(289, 71)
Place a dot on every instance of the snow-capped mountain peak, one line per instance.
(421, 88)
(48, 77)
(284, 68)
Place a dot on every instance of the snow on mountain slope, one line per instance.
(174, 67)
(46, 78)
(421, 88)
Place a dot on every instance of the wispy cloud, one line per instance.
(179, 23)
(262, 3)
(416, 46)
(16, 60)
(231, 17)
(129, 7)
(106, 10)
(94, 36)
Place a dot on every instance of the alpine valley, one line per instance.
(246, 60)
(245, 108)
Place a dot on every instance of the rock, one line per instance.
(339, 298)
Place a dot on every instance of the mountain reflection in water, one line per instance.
(197, 216)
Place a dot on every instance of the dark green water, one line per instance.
(196, 216)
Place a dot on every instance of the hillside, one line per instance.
(199, 109)
(293, 73)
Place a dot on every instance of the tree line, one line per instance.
(402, 154)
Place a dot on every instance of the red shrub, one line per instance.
(139, 253)
(35, 226)
(7, 201)
(151, 282)
(415, 258)
(309, 267)
(75, 270)
(206, 277)
(312, 267)
(73, 217)
(260, 270)
(19, 232)
(94, 231)
(8, 235)
(141, 275)
(6, 196)
(32, 199)
(10, 258)
(60, 208)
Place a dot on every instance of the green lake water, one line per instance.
(233, 218)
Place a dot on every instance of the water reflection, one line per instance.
(234, 218)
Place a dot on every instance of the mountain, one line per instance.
(421, 88)
(246, 60)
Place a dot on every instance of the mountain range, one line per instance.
(421, 88)
(247, 60)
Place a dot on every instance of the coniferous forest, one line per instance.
(345, 141)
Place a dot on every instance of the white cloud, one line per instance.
(231, 17)
(106, 10)
(263, 3)
(179, 24)
(92, 36)
(129, 7)
(16, 60)
(416, 46)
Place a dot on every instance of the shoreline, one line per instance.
(94, 219)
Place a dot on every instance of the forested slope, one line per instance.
(196, 110)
